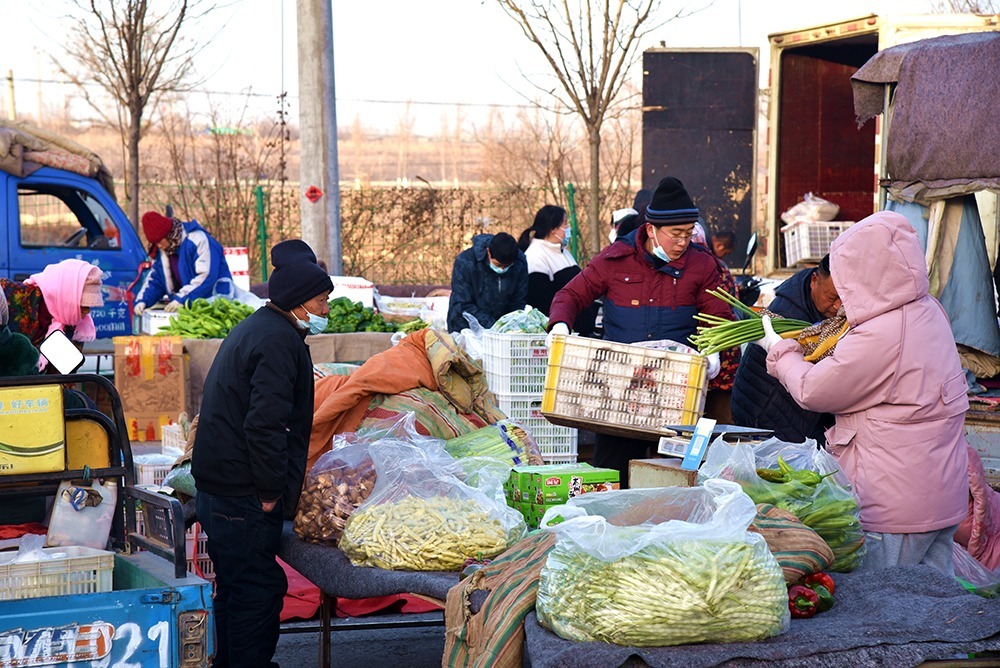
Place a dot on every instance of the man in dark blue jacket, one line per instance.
(759, 400)
(250, 452)
(488, 280)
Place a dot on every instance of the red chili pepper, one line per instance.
(820, 579)
(803, 602)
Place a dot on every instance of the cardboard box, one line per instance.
(32, 430)
(151, 377)
(552, 484)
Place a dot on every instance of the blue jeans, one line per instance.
(250, 585)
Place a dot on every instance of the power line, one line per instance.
(223, 93)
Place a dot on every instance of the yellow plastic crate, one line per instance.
(83, 570)
(622, 390)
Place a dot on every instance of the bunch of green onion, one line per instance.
(721, 334)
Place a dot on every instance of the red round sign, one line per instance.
(313, 193)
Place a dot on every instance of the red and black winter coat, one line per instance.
(644, 299)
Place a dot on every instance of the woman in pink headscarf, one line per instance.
(70, 289)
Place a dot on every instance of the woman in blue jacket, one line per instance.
(187, 264)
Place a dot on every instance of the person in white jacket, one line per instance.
(550, 264)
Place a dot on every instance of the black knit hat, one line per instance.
(296, 277)
(671, 205)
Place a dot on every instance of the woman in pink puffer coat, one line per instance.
(896, 386)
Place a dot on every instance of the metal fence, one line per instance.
(390, 235)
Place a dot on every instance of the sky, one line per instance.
(441, 56)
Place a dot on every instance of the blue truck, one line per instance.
(132, 605)
(54, 213)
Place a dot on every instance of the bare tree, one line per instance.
(134, 56)
(967, 7)
(590, 45)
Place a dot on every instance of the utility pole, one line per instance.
(11, 110)
(319, 180)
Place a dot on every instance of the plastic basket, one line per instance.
(809, 240)
(83, 570)
(515, 363)
(622, 390)
(151, 474)
(195, 547)
(172, 436)
(557, 444)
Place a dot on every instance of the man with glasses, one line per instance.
(653, 281)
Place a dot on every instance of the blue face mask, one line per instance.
(658, 250)
(566, 236)
(499, 270)
(315, 325)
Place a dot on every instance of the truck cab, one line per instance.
(54, 214)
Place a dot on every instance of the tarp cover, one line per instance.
(894, 617)
(943, 136)
(24, 149)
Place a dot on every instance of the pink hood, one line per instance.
(894, 383)
(62, 287)
(885, 262)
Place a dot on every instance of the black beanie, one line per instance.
(296, 277)
(671, 205)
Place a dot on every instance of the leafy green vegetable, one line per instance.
(350, 316)
(203, 319)
(525, 321)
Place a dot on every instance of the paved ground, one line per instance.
(413, 647)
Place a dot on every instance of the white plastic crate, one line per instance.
(622, 390)
(515, 363)
(83, 570)
(151, 474)
(557, 444)
(172, 436)
(809, 240)
(195, 547)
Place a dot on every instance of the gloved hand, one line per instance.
(139, 308)
(770, 337)
(173, 306)
(714, 365)
(558, 328)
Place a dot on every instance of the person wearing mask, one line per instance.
(487, 281)
(896, 386)
(759, 399)
(187, 263)
(250, 450)
(550, 264)
(653, 282)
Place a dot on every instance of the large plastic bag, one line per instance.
(973, 575)
(830, 508)
(335, 486)
(471, 338)
(658, 567)
(811, 208)
(423, 516)
(524, 321)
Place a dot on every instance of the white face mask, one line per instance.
(612, 235)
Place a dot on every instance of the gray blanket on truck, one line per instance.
(896, 617)
(943, 132)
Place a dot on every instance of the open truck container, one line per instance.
(701, 121)
(154, 613)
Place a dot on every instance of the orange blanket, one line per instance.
(341, 401)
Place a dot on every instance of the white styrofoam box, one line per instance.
(241, 279)
(557, 444)
(238, 258)
(153, 320)
(355, 288)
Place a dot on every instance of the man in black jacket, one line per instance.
(250, 452)
(488, 280)
(759, 399)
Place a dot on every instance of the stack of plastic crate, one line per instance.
(515, 366)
